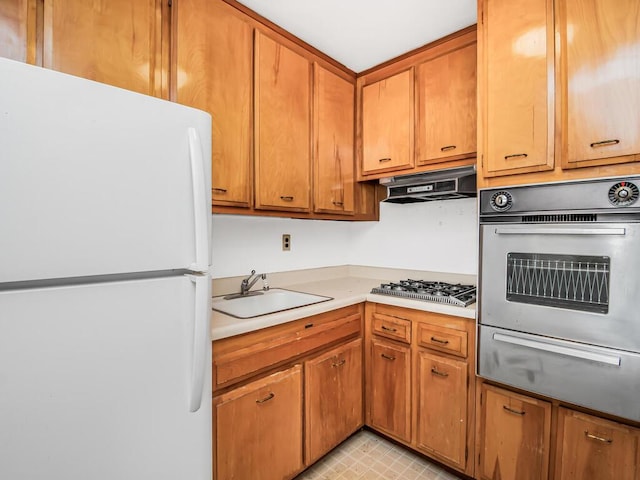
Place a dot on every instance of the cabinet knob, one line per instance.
(339, 364)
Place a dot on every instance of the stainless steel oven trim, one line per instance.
(560, 231)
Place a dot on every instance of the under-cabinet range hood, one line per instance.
(430, 186)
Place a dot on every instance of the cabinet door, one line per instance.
(515, 86)
(333, 143)
(110, 41)
(282, 122)
(446, 123)
(591, 447)
(333, 398)
(387, 123)
(390, 390)
(600, 81)
(16, 18)
(514, 436)
(442, 407)
(258, 428)
(214, 72)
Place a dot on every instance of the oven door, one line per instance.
(578, 282)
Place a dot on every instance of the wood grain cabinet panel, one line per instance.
(387, 123)
(17, 21)
(334, 125)
(516, 65)
(117, 42)
(282, 127)
(600, 81)
(591, 447)
(213, 71)
(390, 389)
(514, 436)
(261, 424)
(446, 121)
(333, 398)
(442, 407)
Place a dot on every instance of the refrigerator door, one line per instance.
(106, 381)
(96, 180)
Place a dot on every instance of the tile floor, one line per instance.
(366, 456)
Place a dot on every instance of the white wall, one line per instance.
(437, 236)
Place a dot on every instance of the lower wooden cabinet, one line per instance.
(593, 448)
(333, 398)
(514, 437)
(442, 407)
(390, 389)
(259, 429)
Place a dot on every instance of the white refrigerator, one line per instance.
(105, 365)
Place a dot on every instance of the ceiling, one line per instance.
(361, 34)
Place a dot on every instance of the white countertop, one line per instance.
(345, 290)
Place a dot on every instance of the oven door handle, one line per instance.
(559, 349)
(559, 231)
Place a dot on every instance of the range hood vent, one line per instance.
(431, 186)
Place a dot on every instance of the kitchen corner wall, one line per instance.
(436, 236)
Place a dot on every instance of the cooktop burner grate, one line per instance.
(438, 292)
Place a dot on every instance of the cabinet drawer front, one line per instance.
(238, 358)
(443, 339)
(392, 327)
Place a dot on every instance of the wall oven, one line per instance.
(559, 291)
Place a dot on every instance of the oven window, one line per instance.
(574, 282)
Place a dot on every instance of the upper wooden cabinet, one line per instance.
(333, 125)
(17, 23)
(387, 123)
(599, 79)
(111, 41)
(282, 127)
(446, 99)
(515, 86)
(213, 71)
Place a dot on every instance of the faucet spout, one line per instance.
(250, 281)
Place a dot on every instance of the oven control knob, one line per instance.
(623, 194)
(501, 201)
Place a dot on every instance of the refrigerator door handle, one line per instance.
(201, 340)
(199, 202)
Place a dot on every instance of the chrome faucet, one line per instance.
(250, 281)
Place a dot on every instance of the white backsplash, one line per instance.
(435, 236)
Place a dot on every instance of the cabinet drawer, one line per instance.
(392, 327)
(238, 357)
(443, 339)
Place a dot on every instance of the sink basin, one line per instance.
(263, 303)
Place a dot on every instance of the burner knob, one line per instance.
(623, 193)
(501, 201)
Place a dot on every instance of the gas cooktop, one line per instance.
(440, 292)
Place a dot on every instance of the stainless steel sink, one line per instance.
(263, 303)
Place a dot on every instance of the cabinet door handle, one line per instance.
(511, 410)
(388, 329)
(286, 198)
(516, 155)
(308, 325)
(435, 371)
(220, 190)
(447, 148)
(437, 340)
(266, 399)
(339, 364)
(605, 143)
(387, 357)
(608, 441)
(383, 160)
(338, 204)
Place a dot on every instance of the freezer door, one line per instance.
(98, 180)
(106, 381)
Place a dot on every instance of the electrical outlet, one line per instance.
(286, 242)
